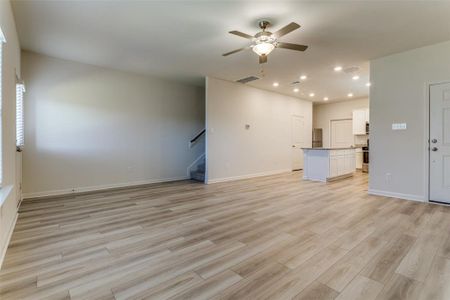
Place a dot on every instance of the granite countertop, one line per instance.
(343, 148)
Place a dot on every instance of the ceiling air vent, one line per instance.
(247, 79)
(351, 70)
(295, 82)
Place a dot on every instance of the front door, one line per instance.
(298, 141)
(440, 142)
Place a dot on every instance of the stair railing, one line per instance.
(196, 137)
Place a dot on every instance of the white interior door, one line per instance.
(298, 141)
(342, 133)
(440, 142)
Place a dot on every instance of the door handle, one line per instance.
(434, 149)
(434, 141)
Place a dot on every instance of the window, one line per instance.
(20, 89)
(2, 41)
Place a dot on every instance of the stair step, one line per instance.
(199, 176)
(201, 168)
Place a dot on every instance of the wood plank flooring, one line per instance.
(275, 237)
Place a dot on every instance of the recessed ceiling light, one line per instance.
(312, 94)
(303, 77)
(296, 90)
(356, 77)
(325, 98)
(275, 84)
(350, 95)
(337, 68)
(368, 84)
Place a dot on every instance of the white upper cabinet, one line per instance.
(360, 117)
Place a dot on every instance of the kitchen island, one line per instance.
(327, 164)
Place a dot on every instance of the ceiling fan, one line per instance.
(265, 41)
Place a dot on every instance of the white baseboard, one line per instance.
(8, 239)
(247, 176)
(98, 188)
(398, 195)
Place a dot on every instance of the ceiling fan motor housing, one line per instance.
(263, 34)
(263, 24)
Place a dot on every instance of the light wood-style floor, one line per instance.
(275, 237)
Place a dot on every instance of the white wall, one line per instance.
(89, 127)
(324, 113)
(234, 152)
(10, 190)
(399, 94)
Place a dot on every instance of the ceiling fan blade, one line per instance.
(234, 51)
(241, 34)
(292, 46)
(262, 59)
(286, 29)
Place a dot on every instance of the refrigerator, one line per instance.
(317, 138)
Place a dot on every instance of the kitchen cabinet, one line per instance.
(325, 164)
(360, 117)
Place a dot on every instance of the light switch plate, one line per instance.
(398, 126)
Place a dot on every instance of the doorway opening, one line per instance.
(298, 141)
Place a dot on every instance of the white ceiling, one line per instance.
(184, 40)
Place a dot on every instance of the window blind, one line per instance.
(2, 40)
(20, 89)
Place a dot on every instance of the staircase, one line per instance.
(196, 170)
(199, 173)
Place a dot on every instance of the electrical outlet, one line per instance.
(388, 178)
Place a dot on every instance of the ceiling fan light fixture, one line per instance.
(263, 48)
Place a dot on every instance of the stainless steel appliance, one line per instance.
(317, 138)
(365, 165)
